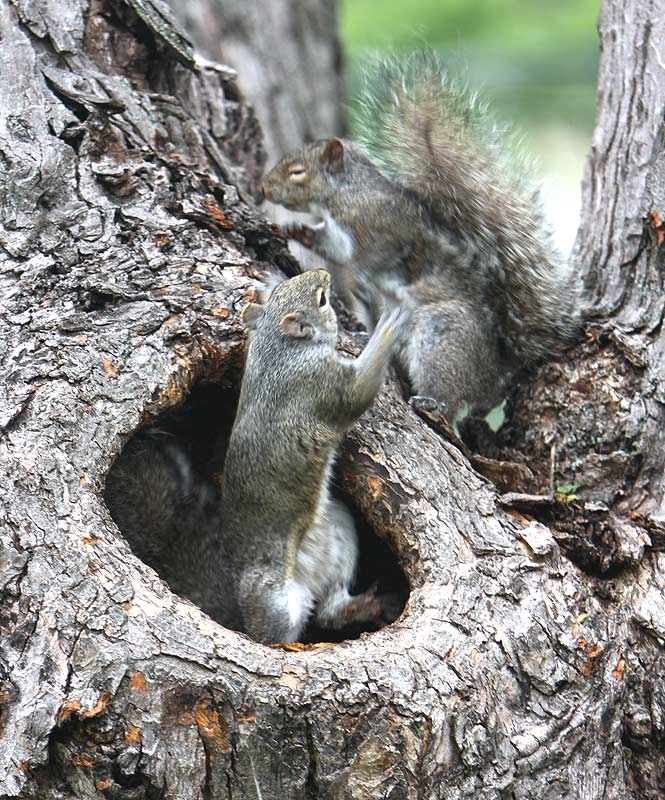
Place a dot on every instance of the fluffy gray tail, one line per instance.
(439, 141)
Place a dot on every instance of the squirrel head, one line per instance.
(298, 310)
(307, 175)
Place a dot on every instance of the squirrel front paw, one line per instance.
(304, 234)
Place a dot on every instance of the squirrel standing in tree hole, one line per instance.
(278, 548)
(293, 546)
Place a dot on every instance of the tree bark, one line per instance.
(129, 247)
(288, 57)
(289, 62)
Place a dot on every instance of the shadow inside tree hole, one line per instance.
(200, 428)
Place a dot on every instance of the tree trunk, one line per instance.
(288, 57)
(129, 247)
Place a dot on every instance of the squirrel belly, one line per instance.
(441, 223)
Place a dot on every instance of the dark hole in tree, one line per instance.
(199, 429)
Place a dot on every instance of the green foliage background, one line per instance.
(535, 59)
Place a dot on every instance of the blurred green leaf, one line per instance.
(520, 25)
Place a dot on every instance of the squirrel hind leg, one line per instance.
(452, 355)
(339, 608)
(274, 610)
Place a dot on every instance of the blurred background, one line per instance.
(298, 61)
(535, 61)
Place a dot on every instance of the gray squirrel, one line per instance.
(171, 517)
(293, 546)
(434, 221)
(273, 548)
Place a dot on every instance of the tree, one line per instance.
(529, 659)
(296, 89)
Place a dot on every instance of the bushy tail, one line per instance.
(156, 499)
(439, 141)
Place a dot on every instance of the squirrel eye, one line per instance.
(322, 298)
(297, 173)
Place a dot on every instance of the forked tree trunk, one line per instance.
(129, 246)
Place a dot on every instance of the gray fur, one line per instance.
(172, 520)
(275, 547)
(294, 548)
(441, 227)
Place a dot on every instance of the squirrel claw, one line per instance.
(304, 234)
(423, 404)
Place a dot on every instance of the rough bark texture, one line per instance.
(614, 433)
(602, 407)
(128, 250)
(289, 62)
(288, 57)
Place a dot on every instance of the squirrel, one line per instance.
(266, 546)
(171, 517)
(433, 221)
(293, 547)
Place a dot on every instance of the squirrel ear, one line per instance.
(293, 325)
(251, 314)
(332, 156)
